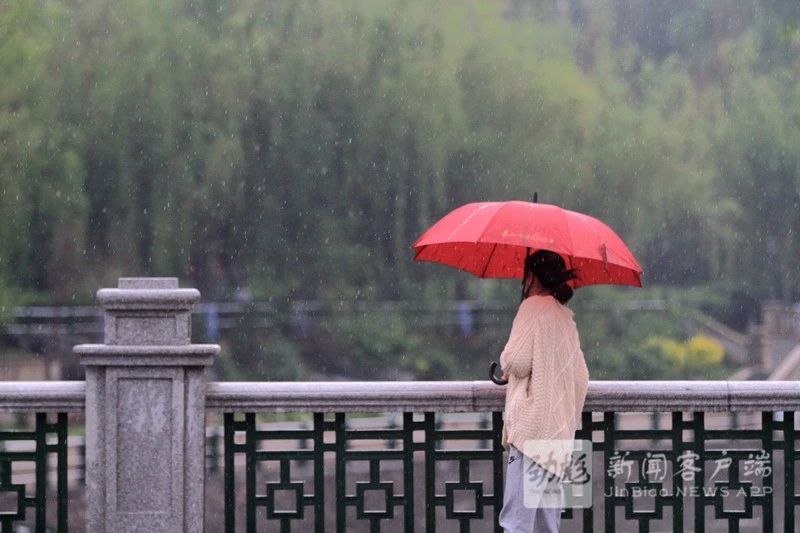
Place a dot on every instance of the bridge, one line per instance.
(371, 456)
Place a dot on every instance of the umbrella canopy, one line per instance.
(492, 240)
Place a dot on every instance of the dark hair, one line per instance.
(551, 271)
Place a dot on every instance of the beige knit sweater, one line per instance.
(547, 378)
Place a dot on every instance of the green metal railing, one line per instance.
(44, 446)
(703, 469)
(608, 497)
(689, 457)
(49, 438)
(429, 445)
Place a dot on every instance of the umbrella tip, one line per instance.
(535, 197)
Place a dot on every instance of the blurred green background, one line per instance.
(292, 151)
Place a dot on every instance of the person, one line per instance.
(547, 382)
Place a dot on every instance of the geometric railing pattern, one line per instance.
(692, 475)
(679, 478)
(395, 498)
(49, 438)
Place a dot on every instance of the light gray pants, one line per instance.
(515, 516)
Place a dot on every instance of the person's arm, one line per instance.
(516, 356)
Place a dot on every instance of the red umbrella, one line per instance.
(492, 240)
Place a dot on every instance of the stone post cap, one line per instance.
(147, 321)
(148, 293)
(147, 283)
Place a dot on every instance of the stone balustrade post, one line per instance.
(145, 411)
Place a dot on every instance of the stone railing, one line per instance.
(146, 402)
(685, 427)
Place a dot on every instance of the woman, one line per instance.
(547, 382)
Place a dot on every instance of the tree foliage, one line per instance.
(296, 149)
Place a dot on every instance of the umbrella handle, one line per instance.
(494, 378)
